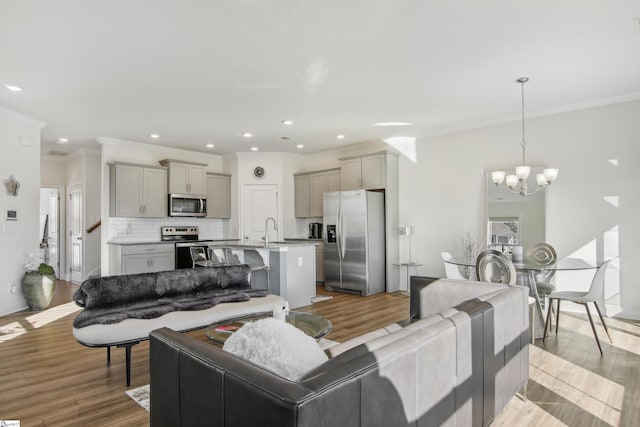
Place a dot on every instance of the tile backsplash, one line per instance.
(148, 229)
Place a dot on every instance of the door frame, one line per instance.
(61, 268)
(69, 262)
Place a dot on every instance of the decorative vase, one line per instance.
(38, 288)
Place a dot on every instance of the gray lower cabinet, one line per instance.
(320, 262)
(144, 258)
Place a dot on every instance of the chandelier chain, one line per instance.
(524, 142)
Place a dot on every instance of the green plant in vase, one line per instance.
(38, 285)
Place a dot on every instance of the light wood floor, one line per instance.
(48, 379)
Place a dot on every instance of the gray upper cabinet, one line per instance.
(318, 184)
(365, 172)
(302, 196)
(186, 177)
(309, 188)
(137, 191)
(218, 195)
(351, 174)
(334, 178)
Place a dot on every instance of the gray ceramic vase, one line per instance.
(38, 289)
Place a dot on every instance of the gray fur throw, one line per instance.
(149, 295)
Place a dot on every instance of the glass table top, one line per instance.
(561, 265)
(311, 324)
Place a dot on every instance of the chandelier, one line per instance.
(518, 183)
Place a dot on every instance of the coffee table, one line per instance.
(311, 324)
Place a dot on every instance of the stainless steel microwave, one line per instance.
(187, 205)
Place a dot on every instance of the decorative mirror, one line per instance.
(514, 220)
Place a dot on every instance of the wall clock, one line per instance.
(258, 172)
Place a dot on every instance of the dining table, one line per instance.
(526, 273)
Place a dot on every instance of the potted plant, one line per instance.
(38, 285)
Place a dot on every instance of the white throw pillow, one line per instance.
(277, 346)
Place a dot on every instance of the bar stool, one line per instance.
(255, 261)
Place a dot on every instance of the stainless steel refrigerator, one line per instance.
(354, 241)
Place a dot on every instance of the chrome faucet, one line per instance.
(266, 230)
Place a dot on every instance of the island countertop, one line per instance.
(126, 242)
(252, 244)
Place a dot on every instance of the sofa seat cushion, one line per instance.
(132, 329)
(362, 339)
(276, 346)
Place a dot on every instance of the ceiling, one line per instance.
(198, 72)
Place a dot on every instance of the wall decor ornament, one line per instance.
(12, 186)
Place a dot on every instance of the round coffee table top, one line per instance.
(311, 324)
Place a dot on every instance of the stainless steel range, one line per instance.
(178, 234)
(185, 238)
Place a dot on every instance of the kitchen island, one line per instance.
(291, 266)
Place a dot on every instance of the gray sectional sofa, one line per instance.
(120, 311)
(457, 361)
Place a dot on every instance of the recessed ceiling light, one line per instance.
(300, 146)
(340, 136)
(62, 140)
(154, 135)
(393, 124)
(287, 122)
(254, 148)
(13, 88)
(210, 145)
(247, 134)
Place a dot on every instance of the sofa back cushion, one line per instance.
(434, 296)
(99, 292)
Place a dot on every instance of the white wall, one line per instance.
(20, 142)
(274, 166)
(53, 171)
(596, 150)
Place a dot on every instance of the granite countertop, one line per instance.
(125, 242)
(229, 243)
(272, 244)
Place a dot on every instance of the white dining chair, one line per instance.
(451, 270)
(595, 293)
